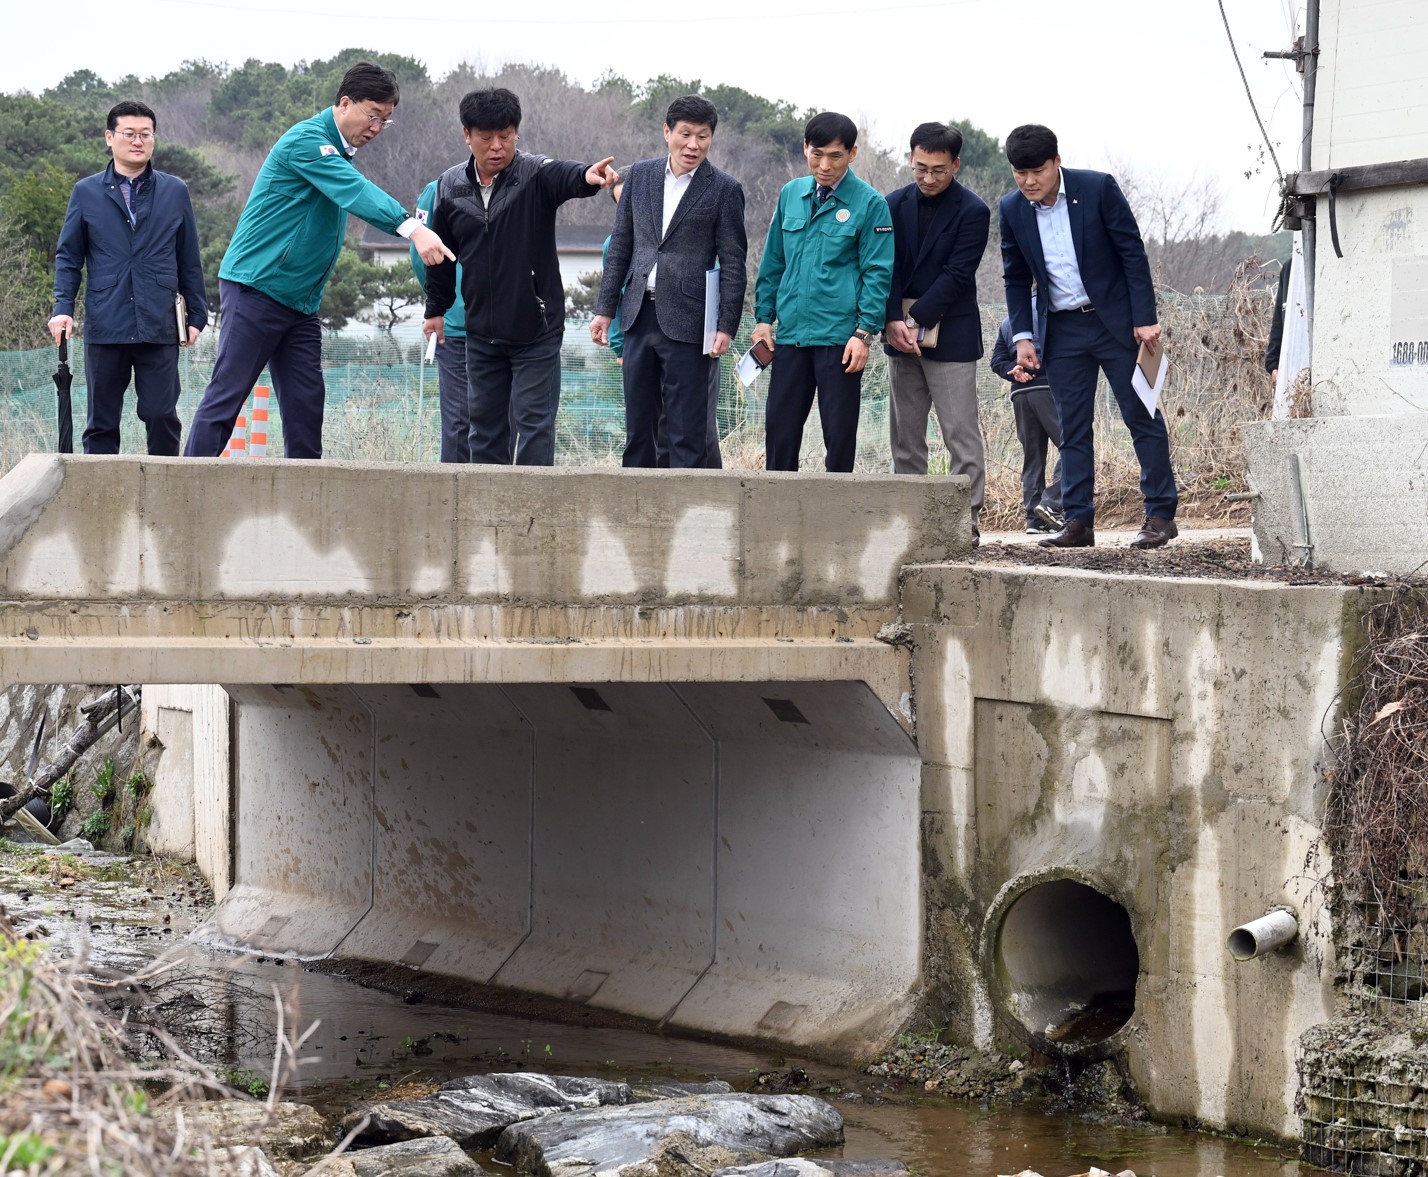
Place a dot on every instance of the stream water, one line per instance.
(369, 1043)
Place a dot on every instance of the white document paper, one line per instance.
(747, 369)
(711, 309)
(1145, 362)
(430, 348)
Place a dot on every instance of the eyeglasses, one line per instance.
(378, 121)
(922, 172)
(134, 136)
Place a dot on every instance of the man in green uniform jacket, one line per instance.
(824, 279)
(286, 243)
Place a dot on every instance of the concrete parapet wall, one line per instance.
(1159, 741)
(1351, 491)
(182, 530)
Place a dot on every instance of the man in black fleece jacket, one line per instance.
(498, 209)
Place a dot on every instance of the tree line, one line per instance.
(217, 123)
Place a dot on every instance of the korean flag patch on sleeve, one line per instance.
(421, 215)
(327, 149)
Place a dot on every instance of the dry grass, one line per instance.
(73, 1097)
(70, 1099)
(1377, 819)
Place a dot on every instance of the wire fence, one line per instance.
(382, 404)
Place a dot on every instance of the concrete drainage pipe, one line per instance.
(1270, 932)
(1065, 965)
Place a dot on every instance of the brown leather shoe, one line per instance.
(1074, 535)
(1156, 532)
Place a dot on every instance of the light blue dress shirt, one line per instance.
(1063, 272)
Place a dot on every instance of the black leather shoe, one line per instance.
(1074, 535)
(1156, 532)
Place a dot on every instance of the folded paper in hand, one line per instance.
(750, 364)
(181, 314)
(1148, 378)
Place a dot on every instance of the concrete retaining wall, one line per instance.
(1160, 741)
(1351, 493)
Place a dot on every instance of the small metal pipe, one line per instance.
(1271, 932)
(1310, 65)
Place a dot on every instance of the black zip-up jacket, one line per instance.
(510, 275)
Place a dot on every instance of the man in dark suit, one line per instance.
(133, 228)
(679, 215)
(1073, 232)
(939, 235)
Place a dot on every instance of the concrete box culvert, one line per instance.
(734, 858)
(1063, 965)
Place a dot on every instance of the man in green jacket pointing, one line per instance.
(286, 243)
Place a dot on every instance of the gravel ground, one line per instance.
(1225, 558)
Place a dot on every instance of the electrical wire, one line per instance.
(1278, 171)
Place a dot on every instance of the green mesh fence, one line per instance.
(382, 401)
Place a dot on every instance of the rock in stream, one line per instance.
(696, 1133)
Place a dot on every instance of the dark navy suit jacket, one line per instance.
(707, 225)
(941, 270)
(136, 265)
(1109, 251)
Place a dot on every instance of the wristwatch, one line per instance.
(911, 322)
(863, 333)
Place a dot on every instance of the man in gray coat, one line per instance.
(678, 217)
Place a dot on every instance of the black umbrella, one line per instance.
(63, 378)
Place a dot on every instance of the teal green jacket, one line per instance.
(826, 273)
(455, 318)
(291, 230)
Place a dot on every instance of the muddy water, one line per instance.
(367, 1043)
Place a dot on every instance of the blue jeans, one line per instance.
(515, 388)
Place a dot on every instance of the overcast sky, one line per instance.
(1151, 83)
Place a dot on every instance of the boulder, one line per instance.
(671, 1136)
(672, 1089)
(287, 1131)
(804, 1167)
(475, 1110)
(429, 1156)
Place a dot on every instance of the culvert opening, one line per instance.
(1067, 964)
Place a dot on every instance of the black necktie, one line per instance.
(821, 194)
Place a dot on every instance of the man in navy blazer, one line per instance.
(1073, 233)
(939, 235)
(134, 228)
(679, 215)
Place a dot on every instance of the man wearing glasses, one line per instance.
(934, 326)
(133, 228)
(283, 250)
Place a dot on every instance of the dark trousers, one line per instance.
(664, 378)
(514, 389)
(1077, 345)
(154, 367)
(1036, 427)
(713, 459)
(455, 396)
(797, 373)
(259, 333)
